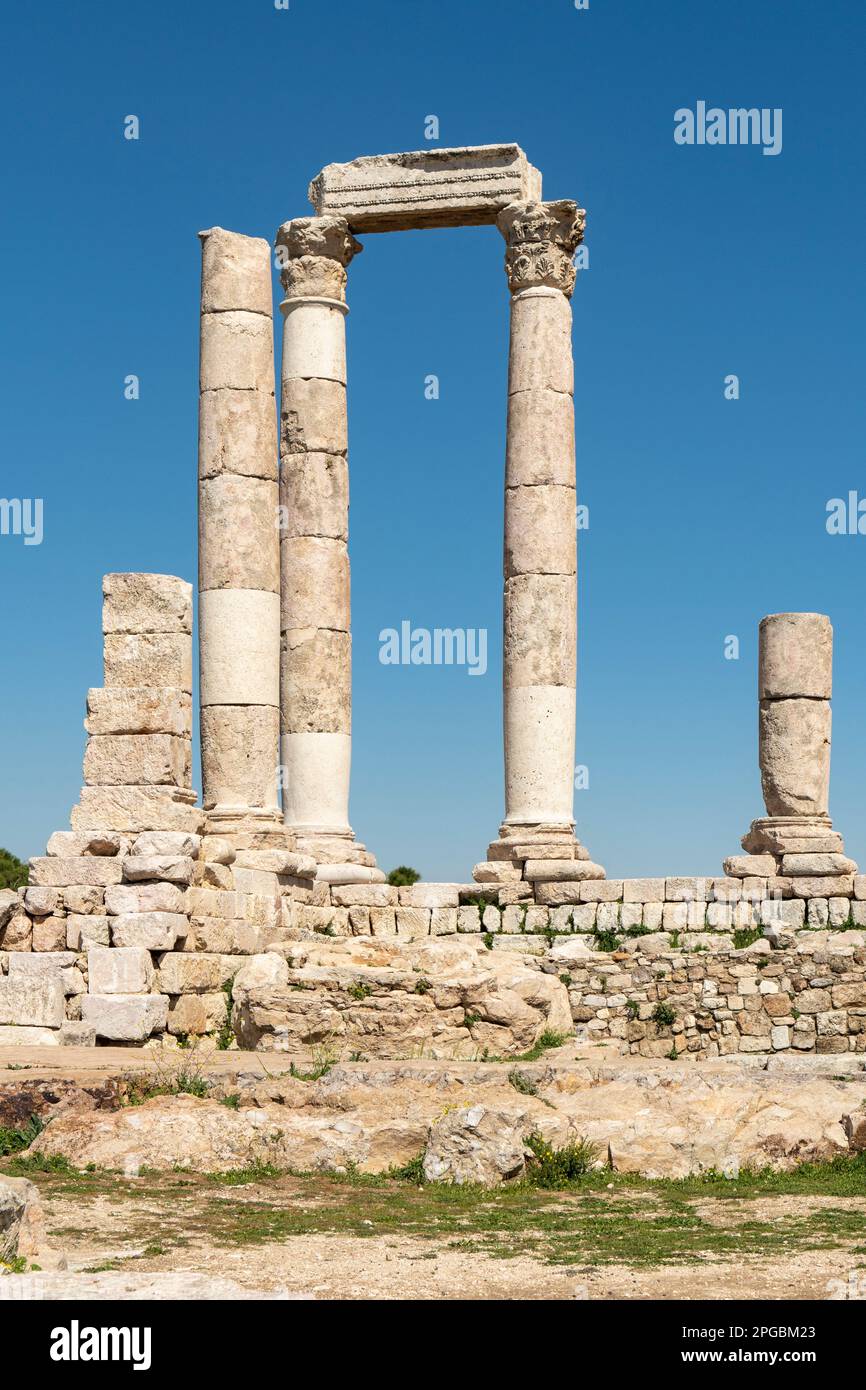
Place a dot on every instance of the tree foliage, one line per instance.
(13, 874)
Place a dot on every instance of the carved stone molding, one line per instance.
(541, 241)
(312, 254)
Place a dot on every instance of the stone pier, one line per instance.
(239, 575)
(316, 642)
(796, 838)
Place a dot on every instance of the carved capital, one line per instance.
(312, 254)
(541, 241)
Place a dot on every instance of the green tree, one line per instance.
(402, 876)
(13, 874)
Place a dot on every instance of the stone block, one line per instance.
(687, 889)
(125, 1017)
(540, 627)
(9, 904)
(135, 760)
(429, 895)
(84, 900)
(146, 603)
(237, 351)
(49, 934)
(795, 656)
(314, 495)
(239, 539)
(562, 870)
(124, 898)
(237, 434)
(750, 865)
(84, 930)
(540, 530)
(151, 931)
(840, 885)
(94, 871)
(139, 709)
(67, 844)
(284, 862)
(313, 416)
(795, 756)
(443, 921)
(119, 970)
(24, 1036)
(176, 869)
(414, 922)
(17, 934)
(183, 973)
(169, 843)
(197, 1013)
(607, 890)
(155, 659)
(235, 272)
(819, 865)
(41, 902)
(364, 895)
(37, 1002)
(131, 809)
(316, 673)
(643, 890)
(465, 186)
(238, 754)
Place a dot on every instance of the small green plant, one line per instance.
(487, 938)
(12, 1141)
(470, 1019)
(226, 1033)
(553, 1168)
(565, 980)
(231, 1102)
(359, 991)
(674, 941)
(522, 1083)
(38, 1162)
(663, 1015)
(413, 1171)
(606, 939)
(423, 986)
(673, 1055)
(632, 1008)
(746, 936)
(323, 1061)
(403, 876)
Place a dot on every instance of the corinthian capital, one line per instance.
(541, 240)
(312, 254)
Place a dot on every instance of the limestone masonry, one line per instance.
(257, 918)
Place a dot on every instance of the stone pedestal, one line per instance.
(796, 837)
(540, 554)
(239, 602)
(316, 643)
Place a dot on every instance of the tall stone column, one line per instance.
(316, 642)
(540, 558)
(796, 838)
(239, 565)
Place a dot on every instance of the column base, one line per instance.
(536, 843)
(791, 847)
(250, 827)
(340, 857)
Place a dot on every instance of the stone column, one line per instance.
(796, 838)
(239, 576)
(316, 643)
(540, 559)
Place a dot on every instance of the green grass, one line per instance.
(12, 1141)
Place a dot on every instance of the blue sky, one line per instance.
(704, 513)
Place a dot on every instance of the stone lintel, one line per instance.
(464, 187)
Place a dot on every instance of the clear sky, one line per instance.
(705, 513)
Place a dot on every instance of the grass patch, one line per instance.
(12, 1141)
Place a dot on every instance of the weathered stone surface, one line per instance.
(67, 844)
(135, 760)
(570, 870)
(139, 709)
(49, 933)
(239, 541)
(540, 438)
(41, 902)
(180, 973)
(236, 351)
(313, 416)
(434, 895)
(540, 530)
(85, 871)
(314, 495)
(552, 893)
(144, 897)
(465, 186)
(540, 630)
(237, 434)
(168, 843)
(134, 809)
(239, 754)
(240, 646)
(22, 1224)
(315, 583)
(24, 1036)
(316, 669)
(795, 756)
(155, 659)
(197, 1014)
(17, 934)
(84, 930)
(795, 656)
(476, 1145)
(146, 603)
(9, 903)
(822, 865)
(236, 272)
(276, 861)
(747, 865)
(151, 931)
(125, 1017)
(119, 970)
(36, 1002)
(817, 887)
(141, 867)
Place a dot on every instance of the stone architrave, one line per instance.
(239, 602)
(316, 660)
